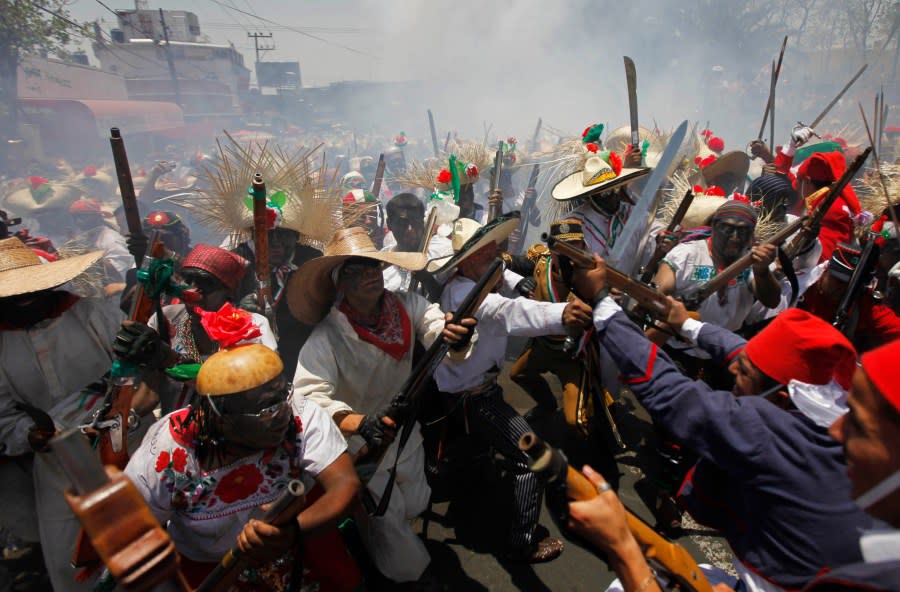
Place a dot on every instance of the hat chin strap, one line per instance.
(887, 486)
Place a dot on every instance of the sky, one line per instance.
(504, 63)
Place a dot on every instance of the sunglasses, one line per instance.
(357, 268)
(264, 403)
(742, 232)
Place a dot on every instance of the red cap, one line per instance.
(225, 266)
(879, 365)
(88, 205)
(827, 167)
(797, 345)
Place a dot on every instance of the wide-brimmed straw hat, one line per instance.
(735, 162)
(469, 236)
(311, 290)
(21, 270)
(597, 176)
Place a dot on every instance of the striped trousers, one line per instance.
(492, 418)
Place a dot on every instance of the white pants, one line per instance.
(396, 550)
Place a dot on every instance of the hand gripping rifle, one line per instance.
(858, 283)
(649, 270)
(670, 560)
(495, 206)
(694, 298)
(810, 229)
(136, 550)
(528, 207)
(404, 405)
(114, 418)
(261, 246)
(282, 511)
(649, 300)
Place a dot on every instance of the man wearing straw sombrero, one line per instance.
(353, 364)
(473, 382)
(55, 349)
(598, 194)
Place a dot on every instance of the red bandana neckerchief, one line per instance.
(392, 334)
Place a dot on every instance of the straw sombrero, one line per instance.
(597, 176)
(311, 291)
(41, 195)
(735, 162)
(21, 270)
(469, 236)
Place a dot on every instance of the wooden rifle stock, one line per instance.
(284, 509)
(650, 270)
(648, 299)
(811, 228)
(527, 207)
(379, 177)
(670, 560)
(261, 246)
(126, 188)
(131, 543)
(495, 206)
(695, 298)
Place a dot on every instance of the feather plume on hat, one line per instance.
(312, 204)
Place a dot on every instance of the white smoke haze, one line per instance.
(505, 63)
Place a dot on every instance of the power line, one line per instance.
(296, 30)
(116, 14)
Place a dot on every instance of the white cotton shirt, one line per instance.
(499, 316)
(693, 266)
(206, 510)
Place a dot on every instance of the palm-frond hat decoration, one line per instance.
(302, 195)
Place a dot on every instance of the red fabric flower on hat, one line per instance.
(89, 171)
(271, 218)
(239, 484)
(444, 176)
(706, 133)
(471, 171)
(591, 147)
(228, 325)
(740, 197)
(705, 162)
(716, 144)
(615, 161)
(512, 140)
(714, 191)
(698, 190)
(36, 182)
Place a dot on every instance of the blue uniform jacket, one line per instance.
(771, 481)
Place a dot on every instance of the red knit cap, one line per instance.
(879, 365)
(225, 266)
(799, 346)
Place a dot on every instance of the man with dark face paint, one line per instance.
(406, 221)
(204, 469)
(697, 262)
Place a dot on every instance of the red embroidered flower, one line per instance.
(444, 176)
(179, 459)
(239, 484)
(228, 325)
(615, 161)
(162, 461)
(36, 182)
(89, 171)
(591, 147)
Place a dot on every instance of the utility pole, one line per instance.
(172, 73)
(256, 37)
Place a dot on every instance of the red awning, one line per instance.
(129, 116)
